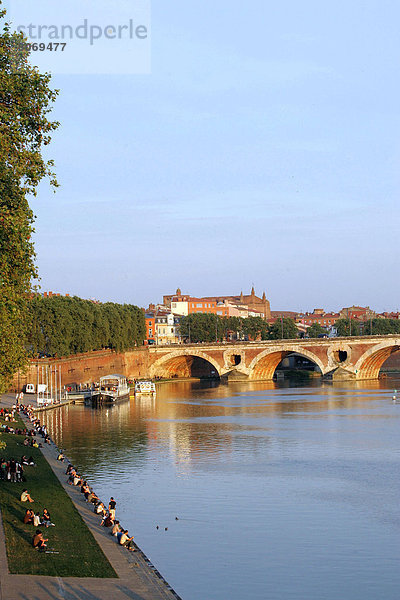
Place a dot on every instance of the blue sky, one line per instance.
(263, 147)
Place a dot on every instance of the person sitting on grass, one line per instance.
(25, 497)
(38, 541)
(46, 520)
(28, 518)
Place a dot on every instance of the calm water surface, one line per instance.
(281, 492)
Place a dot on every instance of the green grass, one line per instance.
(79, 554)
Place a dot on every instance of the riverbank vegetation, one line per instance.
(25, 101)
(79, 555)
(63, 325)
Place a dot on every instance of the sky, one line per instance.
(262, 148)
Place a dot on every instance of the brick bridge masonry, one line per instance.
(337, 358)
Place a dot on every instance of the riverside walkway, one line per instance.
(137, 577)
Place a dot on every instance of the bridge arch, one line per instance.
(263, 366)
(370, 363)
(185, 363)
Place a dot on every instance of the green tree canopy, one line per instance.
(203, 327)
(255, 328)
(347, 327)
(381, 326)
(284, 328)
(315, 330)
(62, 326)
(25, 102)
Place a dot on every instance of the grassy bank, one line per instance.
(79, 554)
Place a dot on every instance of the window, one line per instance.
(199, 305)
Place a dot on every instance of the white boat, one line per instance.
(145, 388)
(111, 389)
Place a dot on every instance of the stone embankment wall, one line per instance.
(89, 367)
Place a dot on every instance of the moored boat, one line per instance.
(145, 388)
(111, 389)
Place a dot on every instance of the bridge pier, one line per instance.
(235, 375)
(340, 374)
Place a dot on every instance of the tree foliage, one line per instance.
(62, 326)
(347, 327)
(315, 330)
(207, 327)
(284, 328)
(25, 101)
(202, 327)
(381, 327)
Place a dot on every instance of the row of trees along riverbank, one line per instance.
(63, 325)
(203, 327)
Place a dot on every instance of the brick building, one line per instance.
(225, 306)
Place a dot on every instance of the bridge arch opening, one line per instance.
(370, 364)
(185, 366)
(264, 365)
(264, 368)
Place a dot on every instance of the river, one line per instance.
(281, 492)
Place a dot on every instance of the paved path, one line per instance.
(137, 578)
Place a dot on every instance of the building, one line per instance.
(167, 328)
(358, 313)
(243, 305)
(150, 327)
(318, 316)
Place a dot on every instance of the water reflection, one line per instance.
(262, 476)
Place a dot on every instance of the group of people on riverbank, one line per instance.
(107, 514)
(13, 470)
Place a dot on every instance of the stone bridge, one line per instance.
(336, 358)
